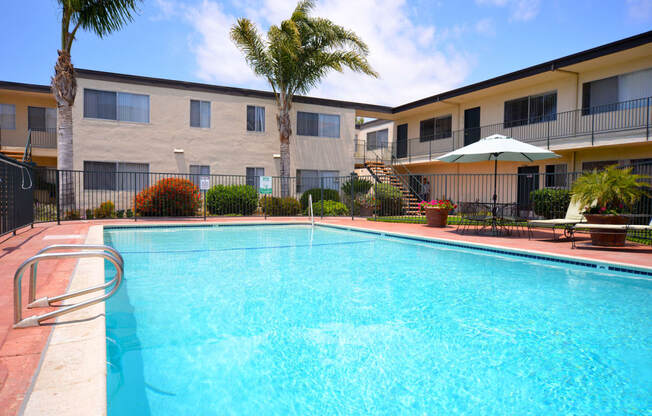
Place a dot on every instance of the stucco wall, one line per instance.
(22, 100)
(227, 147)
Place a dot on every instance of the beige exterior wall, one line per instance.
(15, 139)
(620, 145)
(227, 147)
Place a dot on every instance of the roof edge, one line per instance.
(19, 86)
(586, 55)
(219, 89)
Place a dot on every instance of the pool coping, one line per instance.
(71, 375)
(80, 345)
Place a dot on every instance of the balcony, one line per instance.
(616, 123)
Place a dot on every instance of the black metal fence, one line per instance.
(381, 196)
(16, 195)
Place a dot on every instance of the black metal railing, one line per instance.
(16, 195)
(584, 127)
(60, 195)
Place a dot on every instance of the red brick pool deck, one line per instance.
(20, 350)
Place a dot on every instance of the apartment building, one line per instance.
(593, 108)
(28, 111)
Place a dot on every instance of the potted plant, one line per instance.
(365, 204)
(607, 196)
(437, 211)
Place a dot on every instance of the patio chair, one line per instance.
(510, 218)
(573, 217)
(606, 228)
(472, 213)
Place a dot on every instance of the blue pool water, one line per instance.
(261, 320)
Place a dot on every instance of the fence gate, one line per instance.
(16, 208)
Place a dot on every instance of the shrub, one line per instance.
(129, 213)
(331, 209)
(360, 186)
(231, 199)
(89, 214)
(550, 202)
(120, 213)
(72, 215)
(329, 195)
(389, 200)
(169, 197)
(287, 206)
(105, 210)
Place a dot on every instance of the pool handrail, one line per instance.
(312, 216)
(36, 320)
(32, 302)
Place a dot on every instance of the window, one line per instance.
(121, 106)
(529, 110)
(255, 118)
(320, 125)
(377, 139)
(310, 178)
(603, 95)
(197, 171)
(556, 176)
(253, 176)
(41, 118)
(598, 165)
(114, 176)
(200, 113)
(7, 116)
(435, 128)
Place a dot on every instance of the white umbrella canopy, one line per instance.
(498, 147)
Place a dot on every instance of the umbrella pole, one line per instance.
(494, 229)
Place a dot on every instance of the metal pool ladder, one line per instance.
(96, 250)
(312, 217)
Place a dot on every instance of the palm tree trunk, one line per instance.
(64, 88)
(285, 131)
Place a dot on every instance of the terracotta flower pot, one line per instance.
(436, 217)
(612, 238)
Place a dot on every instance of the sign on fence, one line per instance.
(204, 183)
(265, 185)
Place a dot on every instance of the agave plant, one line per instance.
(610, 191)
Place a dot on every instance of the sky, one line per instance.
(418, 47)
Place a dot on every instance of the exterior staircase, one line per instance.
(386, 174)
(14, 154)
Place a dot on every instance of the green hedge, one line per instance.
(231, 199)
(274, 206)
(389, 200)
(550, 202)
(331, 209)
(329, 195)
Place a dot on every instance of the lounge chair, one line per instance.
(607, 227)
(573, 217)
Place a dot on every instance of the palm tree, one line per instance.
(294, 58)
(101, 17)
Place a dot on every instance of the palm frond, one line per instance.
(103, 16)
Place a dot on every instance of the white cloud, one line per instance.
(520, 10)
(639, 10)
(485, 27)
(413, 60)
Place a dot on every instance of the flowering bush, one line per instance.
(437, 203)
(169, 197)
(105, 210)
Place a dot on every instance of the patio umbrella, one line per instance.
(497, 147)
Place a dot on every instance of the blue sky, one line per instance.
(419, 47)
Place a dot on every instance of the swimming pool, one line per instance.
(286, 319)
